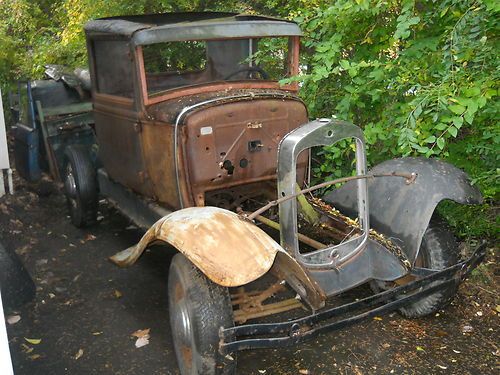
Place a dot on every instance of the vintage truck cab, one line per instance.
(189, 106)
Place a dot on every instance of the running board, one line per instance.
(143, 213)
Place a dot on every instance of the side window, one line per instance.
(113, 68)
(271, 55)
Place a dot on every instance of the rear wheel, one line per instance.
(198, 309)
(80, 186)
(439, 250)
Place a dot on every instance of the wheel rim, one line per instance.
(70, 188)
(69, 182)
(183, 331)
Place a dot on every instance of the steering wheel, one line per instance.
(249, 69)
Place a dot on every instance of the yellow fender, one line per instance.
(229, 249)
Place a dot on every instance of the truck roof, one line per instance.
(165, 27)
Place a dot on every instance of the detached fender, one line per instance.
(401, 211)
(230, 250)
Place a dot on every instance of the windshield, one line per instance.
(175, 64)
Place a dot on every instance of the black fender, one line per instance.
(403, 211)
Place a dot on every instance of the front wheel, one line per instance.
(198, 309)
(439, 250)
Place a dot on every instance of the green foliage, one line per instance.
(421, 78)
(175, 56)
(34, 33)
(412, 73)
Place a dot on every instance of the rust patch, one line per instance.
(230, 251)
(187, 355)
(179, 292)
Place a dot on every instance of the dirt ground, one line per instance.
(86, 309)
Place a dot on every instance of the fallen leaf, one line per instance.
(479, 313)
(142, 341)
(23, 250)
(4, 209)
(420, 349)
(442, 367)
(441, 333)
(118, 294)
(52, 295)
(33, 341)
(456, 351)
(79, 354)
(35, 356)
(18, 223)
(386, 345)
(13, 319)
(497, 308)
(262, 371)
(90, 237)
(26, 348)
(141, 333)
(467, 329)
(304, 372)
(97, 333)
(41, 262)
(377, 318)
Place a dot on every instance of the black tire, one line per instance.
(439, 250)
(198, 309)
(80, 186)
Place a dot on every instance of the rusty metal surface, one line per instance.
(210, 237)
(231, 251)
(120, 149)
(251, 304)
(143, 142)
(168, 110)
(159, 162)
(237, 143)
